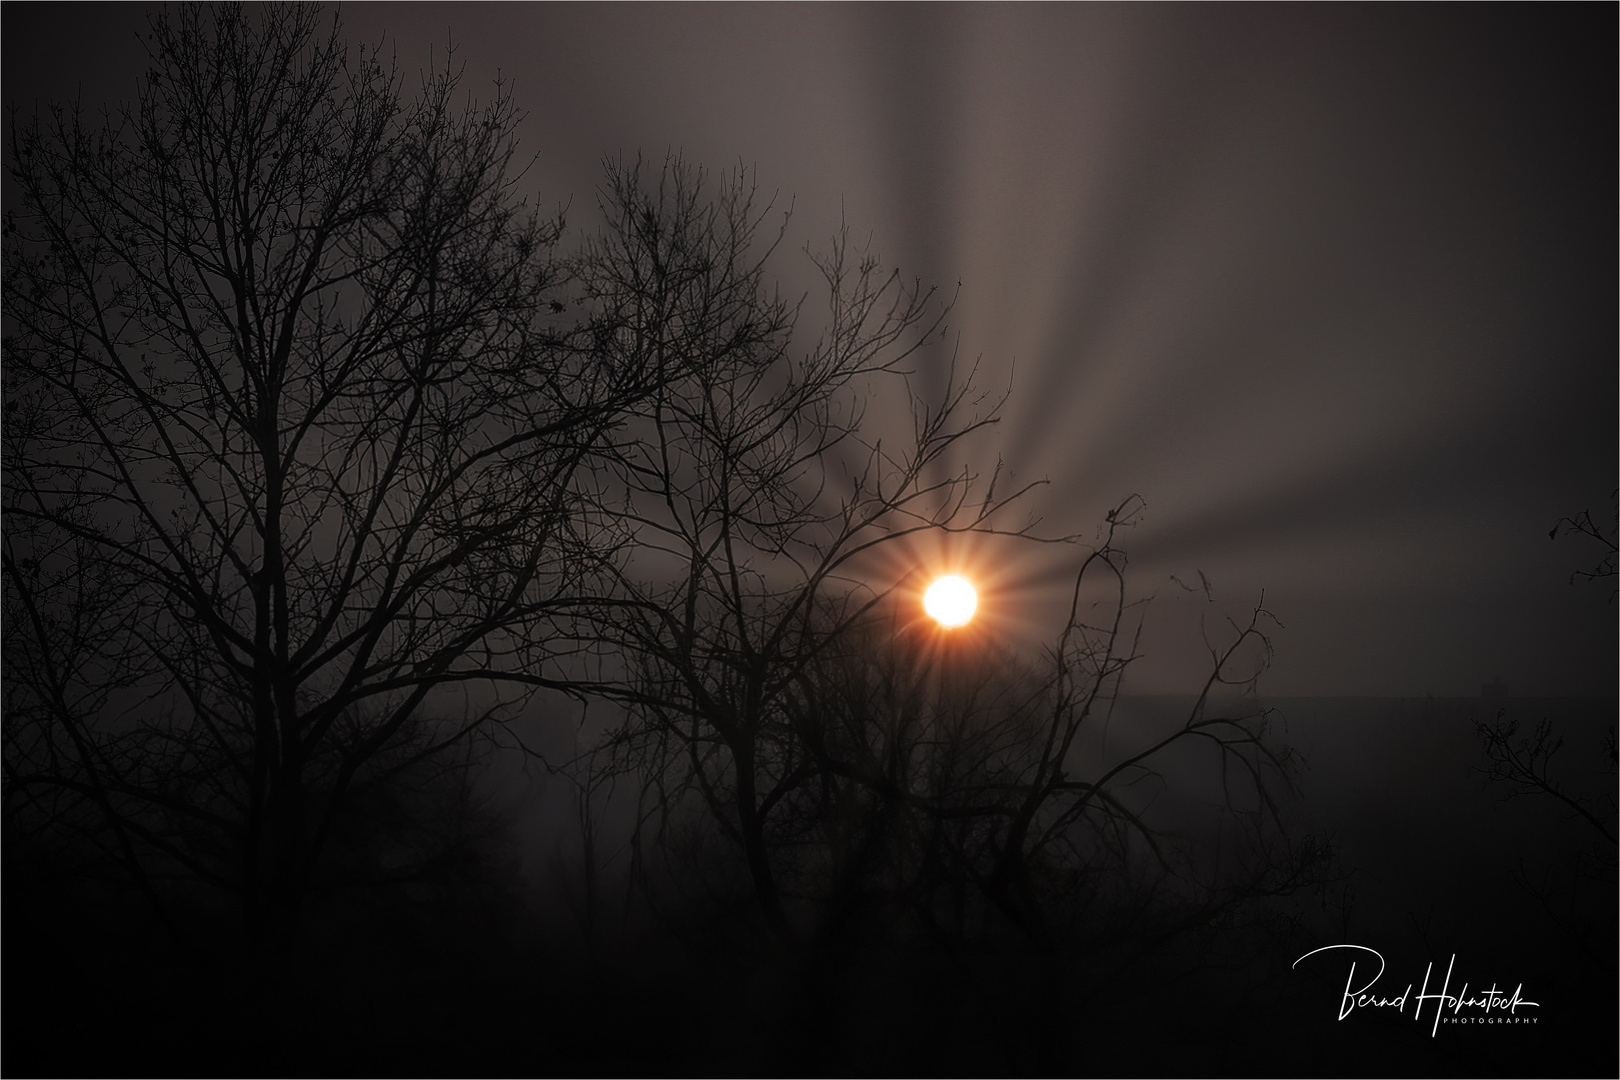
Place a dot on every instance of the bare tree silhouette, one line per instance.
(1584, 524)
(321, 458)
(960, 799)
(1521, 765)
(292, 456)
(750, 485)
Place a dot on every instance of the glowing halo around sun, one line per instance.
(951, 601)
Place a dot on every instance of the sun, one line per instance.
(951, 601)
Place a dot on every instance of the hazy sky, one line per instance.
(1332, 288)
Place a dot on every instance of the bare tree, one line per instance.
(1521, 765)
(838, 745)
(1019, 774)
(751, 482)
(319, 459)
(1584, 524)
(923, 793)
(292, 458)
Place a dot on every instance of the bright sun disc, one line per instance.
(950, 600)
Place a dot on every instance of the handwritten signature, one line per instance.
(1494, 1005)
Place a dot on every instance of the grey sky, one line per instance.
(1333, 288)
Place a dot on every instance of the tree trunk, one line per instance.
(752, 828)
